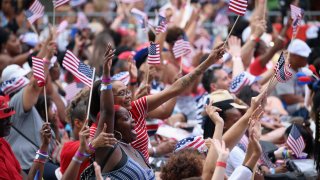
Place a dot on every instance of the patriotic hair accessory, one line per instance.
(195, 142)
(5, 110)
(240, 81)
(124, 77)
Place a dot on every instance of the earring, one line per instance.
(119, 133)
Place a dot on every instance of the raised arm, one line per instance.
(184, 82)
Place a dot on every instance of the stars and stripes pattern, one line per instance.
(13, 85)
(154, 53)
(181, 48)
(295, 141)
(238, 82)
(195, 142)
(58, 3)
(296, 15)
(35, 11)
(124, 77)
(162, 25)
(141, 17)
(38, 71)
(80, 70)
(238, 6)
(72, 90)
(282, 69)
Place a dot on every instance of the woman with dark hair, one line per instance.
(10, 50)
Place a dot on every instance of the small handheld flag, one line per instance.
(58, 3)
(80, 70)
(162, 25)
(124, 77)
(296, 15)
(238, 6)
(295, 141)
(141, 17)
(282, 69)
(38, 71)
(181, 48)
(154, 54)
(35, 11)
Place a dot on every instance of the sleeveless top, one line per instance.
(131, 170)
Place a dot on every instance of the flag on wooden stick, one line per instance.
(35, 11)
(38, 71)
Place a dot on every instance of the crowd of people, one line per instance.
(213, 107)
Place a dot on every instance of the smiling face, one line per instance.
(121, 95)
(125, 124)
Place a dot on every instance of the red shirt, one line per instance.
(256, 68)
(9, 165)
(139, 113)
(69, 149)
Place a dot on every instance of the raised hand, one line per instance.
(133, 71)
(104, 139)
(108, 55)
(84, 136)
(45, 134)
(234, 44)
(212, 112)
(220, 147)
(258, 27)
(217, 53)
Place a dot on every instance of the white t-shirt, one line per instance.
(235, 160)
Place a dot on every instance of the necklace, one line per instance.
(134, 151)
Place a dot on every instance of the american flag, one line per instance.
(295, 141)
(124, 77)
(282, 69)
(238, 6)
(181, 48)
(162, 25)
(80, 70)
(195, 142)
(265, 160)
(58, 3)
(35, 11)
(141, 17)
(296, 15)
(72, 90)
(10, 86)
(238, 82)
(154, 54)
(38, 70)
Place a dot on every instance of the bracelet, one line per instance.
(281, 38)
(39, 161)
(42, 152)
(76, 160)
(133, 80)
(106, 87)
(221, 164)
(91, 147)
(106, 80)
(272, 170)
(80, 155)
(154, 151)
(42, 156)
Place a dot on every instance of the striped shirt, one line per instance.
(139, 113)
(201, 101)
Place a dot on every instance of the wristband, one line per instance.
(39, 161)
(91, 147)
(42, 152)
(272, 170)
(106, 80)
(77, 160)
(255, 39)
(80, 155)
(41, 155)
(106, 87)
(154, 151)
(221, 164)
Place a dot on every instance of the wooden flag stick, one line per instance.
(90, 95)
(54, 15)
(180, 69)
(45, 103)
(234, 24)
(34, 29)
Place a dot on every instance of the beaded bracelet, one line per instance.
(77, 160)
(91, 147)
(42, 152)
(43, 156)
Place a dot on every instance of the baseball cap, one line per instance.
(299, 47)
(13, 71)
(242, 80)
(224, 98)
(5, 110)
